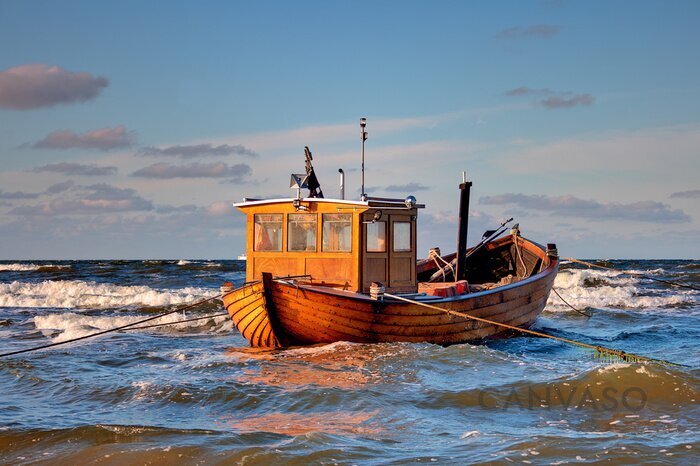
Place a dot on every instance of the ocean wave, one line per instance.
(197, 265)
(336, 422)
(72, 325)
(31, 267)
(650, 272)
(75, 325)
(317, 350)
(82, 294)
(606, 289)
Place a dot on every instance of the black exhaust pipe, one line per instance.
(464, 191)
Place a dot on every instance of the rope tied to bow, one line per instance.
(114, 329)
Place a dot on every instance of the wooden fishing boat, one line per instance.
(323, 270)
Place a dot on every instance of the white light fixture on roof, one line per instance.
(299, 181)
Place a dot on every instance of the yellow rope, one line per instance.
(601, 350)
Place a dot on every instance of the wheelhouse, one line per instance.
(337, 243)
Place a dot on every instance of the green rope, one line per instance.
(609, 352)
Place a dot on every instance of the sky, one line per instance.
(128, 128)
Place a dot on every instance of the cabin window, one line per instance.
(337, 233)
(402, 236)
(268, 232)
(301, 232)
(376, 236)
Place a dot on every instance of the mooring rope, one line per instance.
(610, 352)
(572, 307)
(115, 329)
(433, 254)
(637, 274)
(177, 322)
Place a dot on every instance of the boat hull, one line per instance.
(292, 313)
(247, 307)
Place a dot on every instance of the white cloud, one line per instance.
(87, 200)
(101, 139)
(650, 150)
(692, 194)
(76, 169)
(325, 134)
(195, 170)
(553, 100)
(60, 187)
(220, 208)
(197, 150)
(17, 195)
(28, 87)
(570, 206)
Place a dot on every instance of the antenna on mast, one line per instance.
(363, 136)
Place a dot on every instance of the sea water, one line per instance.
(194, 393)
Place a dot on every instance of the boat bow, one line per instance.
(248, 308)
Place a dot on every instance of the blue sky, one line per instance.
(128, 128)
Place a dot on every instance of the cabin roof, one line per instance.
(254, 202)
(370, 202)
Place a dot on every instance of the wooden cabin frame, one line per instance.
(392, 263)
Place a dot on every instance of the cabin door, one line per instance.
(375, 262)
(389, 252)
(402, 252)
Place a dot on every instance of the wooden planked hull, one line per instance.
(295, 313)
(247, 307)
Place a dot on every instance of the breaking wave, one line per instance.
(71, 325)
(84, 294)
(197, 265)
(607, 289)
(31, 267)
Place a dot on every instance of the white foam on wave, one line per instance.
(314, 350)
(613, 367)
(611, 289)
(198, 263)
(30, 267)
(657, 271)
(80, 294)
(18, 267)
(72, 325)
